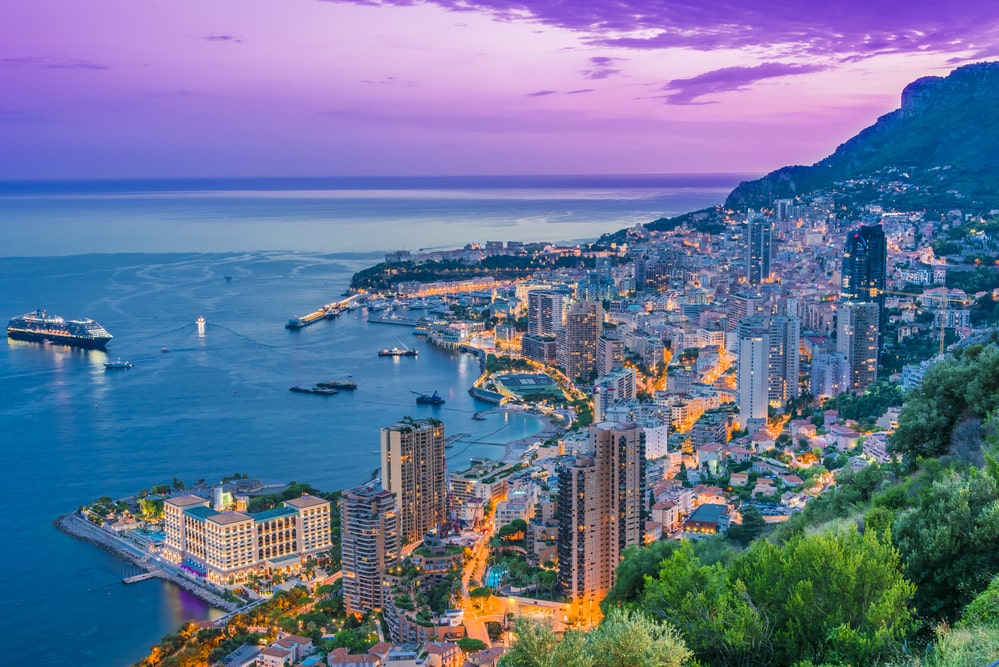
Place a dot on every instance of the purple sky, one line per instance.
(312, 87)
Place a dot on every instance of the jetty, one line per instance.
(395, 319)
(327, 312)
(136, 578)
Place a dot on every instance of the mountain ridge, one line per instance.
(944, 136)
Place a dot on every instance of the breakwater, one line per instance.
(76, 526)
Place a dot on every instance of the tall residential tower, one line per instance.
(413, 471)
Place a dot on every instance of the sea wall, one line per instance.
(82, 529)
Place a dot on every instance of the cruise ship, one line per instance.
(40, 327)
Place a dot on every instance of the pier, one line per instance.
(136, 578)
(327, 312)
(395, 319)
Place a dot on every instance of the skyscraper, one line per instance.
(857, 339)
(865, 257)
(369, 529)
(785, 339)
(577, 342)
(741, 306)
(413, 471)
(753, 376)
(545, 309)
(759, 231)
(601, 495)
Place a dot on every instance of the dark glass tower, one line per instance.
(759, 231)
(865, 257)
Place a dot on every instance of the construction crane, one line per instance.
(945, 299)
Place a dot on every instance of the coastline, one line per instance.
(76, 526)
(515, 449)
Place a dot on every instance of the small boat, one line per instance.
(322, 391)
(348, 385)
(429, 399)
(165, 350)
(117, 365)
(398, 352)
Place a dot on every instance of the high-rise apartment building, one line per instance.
(601, 495)
(741, 306)
(753, 376)
(864, 271)
(577, 341)
(370, 545)
(785, 359)
(413, 471)
(830, 374)
(759, 232)
(857, 339)
(610, 354)
(545, 312)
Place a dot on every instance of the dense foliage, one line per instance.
(961, 389)
(624, 639)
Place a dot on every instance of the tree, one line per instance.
(470, 645)
(959, 388)
(537, 645)
(833, 596)
(636, 564)
(948, 539)
(753, 524)
(720, 622)
(624, 639)
(631, 639)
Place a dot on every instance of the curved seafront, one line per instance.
(218, 404)
(210, 406)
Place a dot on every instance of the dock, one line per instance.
(136, 578)
(327, 312)
(395, 319)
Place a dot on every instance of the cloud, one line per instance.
(215, 37)
(541, 93)
(729, 79)
(843, 29)
(43, 62)
(601, 67)
(580, 90)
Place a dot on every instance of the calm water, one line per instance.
(219, 404)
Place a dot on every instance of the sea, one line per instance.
(147, 258)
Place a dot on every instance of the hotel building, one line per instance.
(226, 547)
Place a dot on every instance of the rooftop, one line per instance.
(185, 501)
(275, 513)
(201, 512)
(227, 518)
(306, 501)
(709, 513)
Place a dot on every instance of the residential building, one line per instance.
(759, 231)
(545, 312)
(857, 338)
(412, 454)
(577, 341)
(369, 530)
(752, 377)
(601, 496)
(784, 362)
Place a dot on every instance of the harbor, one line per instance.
(327, 312)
